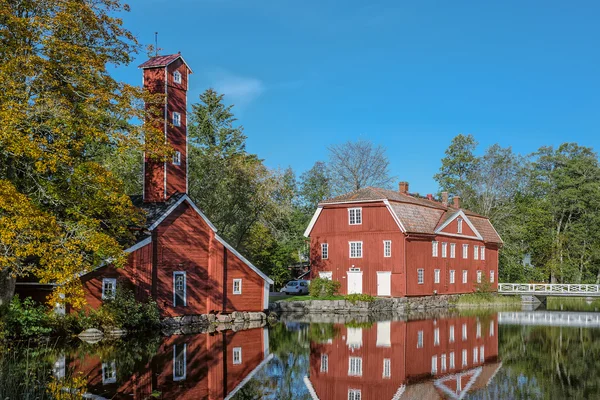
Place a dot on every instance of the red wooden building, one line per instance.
(202, 366)
(387, 243)
(429, 359)
(179, 259)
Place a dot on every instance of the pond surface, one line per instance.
(494, 356)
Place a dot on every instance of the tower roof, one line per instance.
(162, 61)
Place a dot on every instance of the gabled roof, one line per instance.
(162, 61)
(414, 214)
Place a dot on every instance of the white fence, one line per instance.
(550, 318)
(549, 289)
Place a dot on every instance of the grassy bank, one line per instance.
(573, 304)
(486, 300)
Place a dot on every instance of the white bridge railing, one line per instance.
(550, 318)
(549, 289)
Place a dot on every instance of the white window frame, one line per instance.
(434, 368)
(478, 331)
(481, 354)
(113, 282)
(452, 276)
(239, 289)
(475, 252)
(175, 376)
(459, 225)
(436, 276)
(420, 276)
(452, 364)
(451, 334)
(354, 394)
(355, 216)
(177, 158)
(452, 250)
(492, 328)
(419, 339)
(465, 251)
(434, 248)
(175, 274)
(387, 368)
(465, 361)
(482, 258)
(326, 275)
(387, 248)
(465, 277)
(475, 355)
(436, 337)
(237, 356)
(492, 276)
(444, 249)
(324, 251)
(324, 363)
(355, 366)
(177, 77)
(113, 370)
(176, 118)
(443, 363)
(358, 249)
(464, 332)
(479, 276)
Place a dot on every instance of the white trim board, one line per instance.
(457, 214)
(248, 377)
(313, 221)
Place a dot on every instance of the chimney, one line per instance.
(403, 187)
(429, 196)
(445, 199)
(456, 201)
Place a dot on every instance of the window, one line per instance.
(109, 288)
(354, 394)
(355, 216)
(326, 275)
(420, 340)
(451, 333)
(475, 355)
(324, 251)
(387, 248)
(492, 328)
(478, 329)
(436, 337)
(482, 253)
(324, 363)
(465, 251)
(109, 372)
(237, 355)
(452, 274)
(179, 362)
(465, 275)
(420, 276)
(176, 119)
(443, 363)
(492, 276)
(177, 158)
(478, 276)
(177, 77)
(355, 249)
(481, 356)
(444, 250)
(179, 289)
(436, 276)
(237, 286)
(433, 365)
(434, 248)
(387, 368)
(452, 365)
(464, 358)
(459, 223)
(476, 252)
(464, 332)
(452, 250)
(355, 366)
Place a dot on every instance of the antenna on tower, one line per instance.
(156, 43)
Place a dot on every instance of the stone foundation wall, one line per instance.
(210, 322)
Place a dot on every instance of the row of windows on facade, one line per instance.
(477, 250)
(355, 366)
(356, 249)
(109, 288)
(478, 358)
(451, 339)
(452, 276)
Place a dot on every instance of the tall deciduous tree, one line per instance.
(315, 186)
(458, 168)
(58, 106)
(355, 165)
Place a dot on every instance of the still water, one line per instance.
(495, 356)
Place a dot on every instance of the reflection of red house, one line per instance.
(388, 243)
(198, 366)
(178, 258)
(398, 360)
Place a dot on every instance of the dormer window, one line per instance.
(460, 224)
(177, 158)
(177, 77)
(176, 119)
(355, 216)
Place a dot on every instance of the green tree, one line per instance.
(458, 168)
(315, 186)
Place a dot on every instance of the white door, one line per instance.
(354, 282)
(384, 334)
(384, 284)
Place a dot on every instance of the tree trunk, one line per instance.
(7, 287)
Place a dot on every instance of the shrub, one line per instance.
(353, 298)
(484, 289)
(26, 319)
(124, 311)
(320, 287)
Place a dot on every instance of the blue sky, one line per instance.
(304, 75)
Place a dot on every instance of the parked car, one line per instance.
(296, 287)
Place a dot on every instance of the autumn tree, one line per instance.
(61, 211)
(355, 165)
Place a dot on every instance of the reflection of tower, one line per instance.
(442, 358)
(168, 75)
